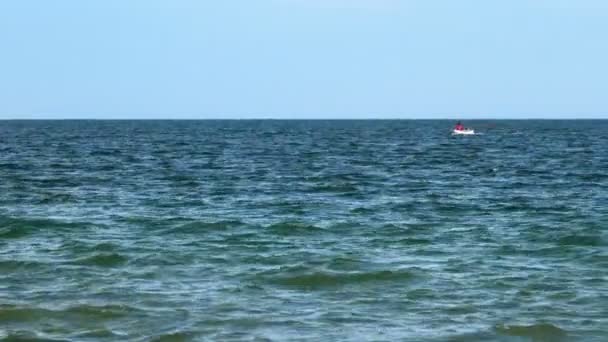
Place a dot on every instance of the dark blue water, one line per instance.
(303, 230)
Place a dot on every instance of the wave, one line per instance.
(79, 247)
(316, 280)
(344, 264)
(105, 152)
(174, 337)
(150, 221)
(290, 228)
(26, 336)
(20, 265)
(362, 211)
(539, 332)
(14, 228)
(11, 313)
(413, 241)
(334, 188)
(100, 334)
(201, 227)
(102, 260)
(51, 182)
(109, 311)
(13, 166)
(594, 177)
(57, 198)
(580, 240)
(105, 247)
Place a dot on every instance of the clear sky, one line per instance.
(303, 58)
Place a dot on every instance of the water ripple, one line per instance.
(303, 230)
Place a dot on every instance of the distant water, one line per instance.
(303, 231)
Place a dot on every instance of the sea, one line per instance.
(270, 230)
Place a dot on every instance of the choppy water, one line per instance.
(303, 230)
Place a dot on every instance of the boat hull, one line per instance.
(463, 132)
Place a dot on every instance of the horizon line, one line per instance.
(304, 119)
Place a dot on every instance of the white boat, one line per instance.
(463, 132)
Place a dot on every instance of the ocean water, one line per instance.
(303, 231)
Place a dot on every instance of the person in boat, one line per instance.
(459, 127)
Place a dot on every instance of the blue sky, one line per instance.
(303, 59)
